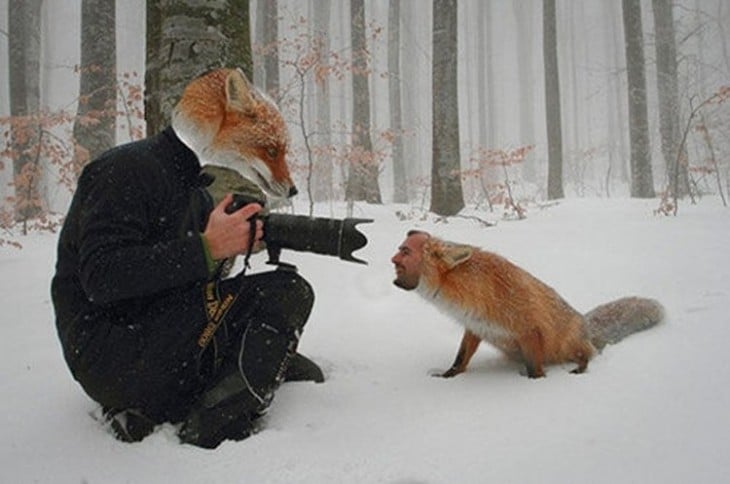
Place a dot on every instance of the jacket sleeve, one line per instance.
(120, 254)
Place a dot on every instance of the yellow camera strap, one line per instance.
(215, 309)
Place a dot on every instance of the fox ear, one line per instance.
(454, 254)
(239, 93)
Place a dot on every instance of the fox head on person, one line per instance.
(227, 121)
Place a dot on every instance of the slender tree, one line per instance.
(362, 183)
(574, 136)
(552, 102)
(668, 93)
(415, 70)
(270, 38)
(24, 57)
(523, 12)
(186, 38)
(257, 41)
(486, 95)
(447, 196)
(615, 107)
(400, 191)
(642, 184)
(489, 86)
(324, 182)
(95, 126)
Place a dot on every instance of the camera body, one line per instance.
(325, 236)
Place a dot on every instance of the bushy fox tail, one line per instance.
(611, 322)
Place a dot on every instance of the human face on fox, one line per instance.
(407, 261)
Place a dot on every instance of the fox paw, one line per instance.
(451, 372)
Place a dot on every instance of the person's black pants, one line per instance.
(173, 356)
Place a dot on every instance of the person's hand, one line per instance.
(229, 234)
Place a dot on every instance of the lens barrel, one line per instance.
(326, 236)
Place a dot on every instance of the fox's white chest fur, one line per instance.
(485, 329)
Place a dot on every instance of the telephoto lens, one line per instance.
(326, 236)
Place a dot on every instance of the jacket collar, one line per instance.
(183, 159)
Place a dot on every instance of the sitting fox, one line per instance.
(502, 304)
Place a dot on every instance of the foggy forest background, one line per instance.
(496, 105)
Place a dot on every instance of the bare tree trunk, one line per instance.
(98, 81)
(489, 85)
(416, 109)
(153, 113)
(400, 189)
(362, 183)
(24, 56)
(324, 181)
(447, 197)
(270, 35)
(723, 34)
(489, 174)
(186, 39)
(525, 32)
(642, 183)
(668, 91)
(576, 167)
(615, 107)
(552, 102)
(257, 44)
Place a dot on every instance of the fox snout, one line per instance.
(277, 185)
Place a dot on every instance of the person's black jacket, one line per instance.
(128, 241)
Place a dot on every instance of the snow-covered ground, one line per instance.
(652, 409)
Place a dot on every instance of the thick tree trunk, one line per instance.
(24, 56)
(186, 39)
(95, 126)
(362, 183)
(552, 102)
(447, 197)
(642, 183)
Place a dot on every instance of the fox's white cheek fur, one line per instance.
(252, 168)
(484, 329)
(198, 140)
(191, 133)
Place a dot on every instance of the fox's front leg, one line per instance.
(532, 345)
(469, 344)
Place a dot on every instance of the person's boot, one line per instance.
(129, 425)
(227, 410)
(211, 421)
(301, 368)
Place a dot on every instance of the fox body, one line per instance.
(227, 121)
(498, 302)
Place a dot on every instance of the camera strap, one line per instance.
(251, 241)
(216, 309)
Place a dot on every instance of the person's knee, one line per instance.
(297, 299)
(302, 291)
(287, 298)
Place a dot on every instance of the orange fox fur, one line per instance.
(502, 304)
(227, 121)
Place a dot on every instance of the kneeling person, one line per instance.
(147, 326)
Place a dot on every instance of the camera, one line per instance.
(325, 236)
